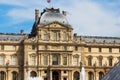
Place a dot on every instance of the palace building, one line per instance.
(54, 52)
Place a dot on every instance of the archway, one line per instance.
(14, 75)
(33, 74)
(2, 75)
(101, 74)
(76, 75)
(55, 75)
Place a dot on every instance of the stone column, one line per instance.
(50, 74)
(60, 59)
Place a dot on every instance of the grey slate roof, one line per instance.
(109, 40)
(114, 73)
(11, 37)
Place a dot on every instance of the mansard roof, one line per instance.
(97, 39)
(11, 37)
(114, 73)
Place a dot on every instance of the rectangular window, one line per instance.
(64, 60)
(110, 49)
(76, 48)
(56, 35)
(2, 60)
(14, 60)
(55, 60)
(65, 48)
(76, 61)
(33, 47)
(33, 59)
(2, 47)
(89, 49)
(45, 60)
(100, 50)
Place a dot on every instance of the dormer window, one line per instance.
(46, 35)
(56, 35)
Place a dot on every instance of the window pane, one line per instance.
(76, 61)
(14, 60)
(45, 60)
(2, 60)
(55, 60)
(64, 60)
(33, 60)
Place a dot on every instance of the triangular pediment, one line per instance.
(56, 25)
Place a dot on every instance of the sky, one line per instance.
(87, 17)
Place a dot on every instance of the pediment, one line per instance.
(56, 25)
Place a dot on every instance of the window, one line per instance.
(65, 48)
(100, 50)
(110, 49)
(64, 71)
(33, 59)
(65, 78)
(56, 35)
(65, 37)
(110, 62)
(14, 47)
(46, 36)
(55, 59)
(89, 60)
(46, 47)
(89, 49)
(45, 60)
(45, 78)
(101, 74)
(14, 76)
(2, 75)
(2, 47)
(76, 60)
(90, 76)
(100, 60)
(33, 47)
(2, 60)
(14, 60)
(76, 48)
(64, 60)
(45, 71)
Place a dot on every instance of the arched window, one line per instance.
(110, 58)
(90, 60)
(76, 60)
(90, 76)
(76, 75)
(2, 75)
(101, 74)
(33, 74)
(2, 60)
(100, 60)
(14, 75)
(55, 59)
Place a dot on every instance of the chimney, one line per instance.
(21, 31)
(36, 15)
(64, 13)
(75, 34)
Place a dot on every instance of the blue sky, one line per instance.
(87, 17)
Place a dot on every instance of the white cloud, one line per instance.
(86, 16)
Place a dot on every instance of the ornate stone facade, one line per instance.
(53, 52)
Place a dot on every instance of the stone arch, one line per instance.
(14, 75)
(76, 75)
(101, 74)
(3, 75)
(90, 76)
(33, 74)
